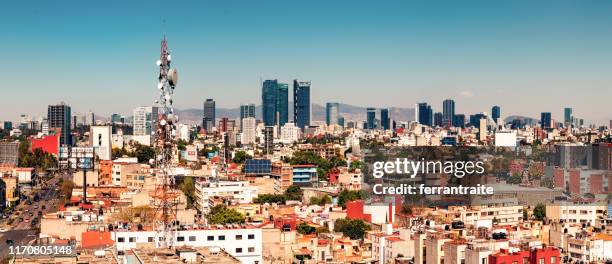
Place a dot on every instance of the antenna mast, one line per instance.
(166, 195)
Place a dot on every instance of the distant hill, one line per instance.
(349, 112)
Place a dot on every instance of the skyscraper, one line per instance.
(301, 103)
(568, 118)
(282, 104)
(495, 113)
(448, 112)
(144, 120)
(331, 113)
(208, 117)
(546, 120)
(59, 117)
(424, 114)
(246, 110)
(384, 119)
(438, 119)
(269, 91)
(459, 120)
(371, 118)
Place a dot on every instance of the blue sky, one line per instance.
(526, 56)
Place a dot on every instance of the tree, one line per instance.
(305, 229)
(294, 193)
(66, 187)
(539, 212)
(270, 198)
(188, 188)
(220, 214)
(144, 153)
(120, 152)
(181, 144)
(347, 196)
(323, 200)
(515, 179)
(353, 228)
(240, 157)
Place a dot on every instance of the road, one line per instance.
(19, 237)
(21, 231)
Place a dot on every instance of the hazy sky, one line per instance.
(526, 56)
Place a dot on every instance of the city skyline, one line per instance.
(556, 50)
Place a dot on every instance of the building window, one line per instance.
(150, 239)
(542, 261)
(132, 239)
(180, 239)
(221, 238)
(238, 250)
(192, 238)
(210, 238)
(525, 260)
(251, 249)
(553, 260)
(238, 237)
(251, 236)
(120, 239)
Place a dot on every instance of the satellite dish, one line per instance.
(169, 57)
(172, 76)
(160, 85)
(158, 62)
(162, 122)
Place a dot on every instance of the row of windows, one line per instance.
(190, 238)
(250, 250)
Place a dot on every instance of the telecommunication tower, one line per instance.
(164, 140)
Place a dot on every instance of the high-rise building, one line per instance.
(495, 113)
(208, 118)
(370, 118)
(568, 117)
(268, 140)
(247, 110)
(438, 119)
(546, 120)
(459, 120)
(59, 117)
(332, 111)
(145, 120)
(90, 119)
(100, 140)
(116, 118)
(424, 114)
(249, 133)
(448, 112)
(341, 121)
(475, 119)
(384, 119)
(269, 91)
(282, 104)
(301, 103)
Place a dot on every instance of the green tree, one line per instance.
(539, 212)
(305, 229)
(323, 200)
(220, 214)
(353, 228)
(294, 193)
(181, 144)
(270, 198)
(240, 157)
(144, 153)
(347, 196)
(188, 188)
